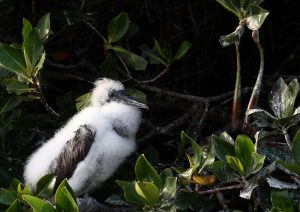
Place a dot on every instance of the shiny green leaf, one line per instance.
(40, 64)
(296, 148)
(228, 40)
(15, 207)
(118, 27)
(290, 166)
(257, 17)
(37, 204)
(43, 27)
(223, 171)
(12, 59)
(243, 150)
(27, 27)
(235, 164)
(282, 201)
(17, 87)
(182, 50)
(65, 198)
(222, 147)
(257, 162)
(132, 60)
(165, 174)
(130, 194)
(148, 191)
(160, 51)
(144, 171)
(262, 118)
(197, 151)
(7, 196)
(282, 98)
(32, 48)
(187, 174)
(169, 189)
(45, 186)
(231, 5)
(208, 158)
(289, 121)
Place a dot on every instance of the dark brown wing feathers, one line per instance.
(74, 151)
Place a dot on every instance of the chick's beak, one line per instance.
(122, 96)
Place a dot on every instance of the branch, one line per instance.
(161, 74)
(215, 190)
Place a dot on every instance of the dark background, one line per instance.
(208, 69)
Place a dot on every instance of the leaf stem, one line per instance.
(236, 107)
(257, 87)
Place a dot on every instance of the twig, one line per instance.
(191, 97)
(63, 66)
(215, 190)
(161, 74)
(96, 31)
(169, 127)
(43, 100)
(202, 119)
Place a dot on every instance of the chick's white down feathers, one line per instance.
(108, 150)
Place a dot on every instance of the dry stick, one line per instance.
(161, 74)
(215, 190)
(43, 100)
(257, 87)
(236, 107)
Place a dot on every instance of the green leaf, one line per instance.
(43, 27)
(209, 158)
(197, 151)
(157, 47)
(290, 166)
(118, 27)
(65, 198)
(296, 148)
(169, 189)
(257, 162)
(282, 201)
(132, 60)
(37, 204)
(289, 121)
(27, 27)
(9, 105)
(23, 190)
(231, 6)
(223, 171)
(45, 186)
(243, 150)
(17, 87)
(282, 98)
(228, 40)
(110, 67)
(137, 95)
(245, 4)
(187, 174)
(165, 174)
(32, 48)
(148, 191)
(235, 164)
(144, 171)
(40, 64)
(12, 59)
(15, 207)
(222, 147)
(130, 194)
(262, 118)
(83, 101)
(182, 50)
(257, 17)
(7, 196)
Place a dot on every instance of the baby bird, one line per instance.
(93, 143)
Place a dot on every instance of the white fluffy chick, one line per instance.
(93, 143)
